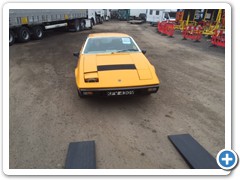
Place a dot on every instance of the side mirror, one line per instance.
(144, 51)
(76, 54)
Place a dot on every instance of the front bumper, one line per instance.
(129, 91)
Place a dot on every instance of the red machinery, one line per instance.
(218, 39)
(192, 32)
(166, 27)
(179, 16)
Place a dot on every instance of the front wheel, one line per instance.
(82, 25)
(91, 24)
(97, 20)
(77, 26)
(101, 20)
(80, 94)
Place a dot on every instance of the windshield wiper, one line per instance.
(126, 50)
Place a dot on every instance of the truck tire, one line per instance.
(37, 32)
(23, 34)
(92, 23)
(77, 26)
(97, 20)
(82, 25)
(100, 20)
(11, 38)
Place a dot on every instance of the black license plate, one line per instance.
(120, 93)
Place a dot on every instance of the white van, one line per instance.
(159, 15)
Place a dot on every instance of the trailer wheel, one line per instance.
(11, 38)
(37, 32)
(23, 34)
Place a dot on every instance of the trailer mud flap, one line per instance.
(193, 153)
(81, 155)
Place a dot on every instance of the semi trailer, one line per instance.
(26, 24)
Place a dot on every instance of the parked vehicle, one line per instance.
(137, 13)
(112, 64)
(123, 14)
(114, 13)
(143, 16)
(25, 24)
(99, 16)
(92, 15)
(131, 14)
(158, 15)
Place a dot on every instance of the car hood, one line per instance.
(118, 61)
(120, 69)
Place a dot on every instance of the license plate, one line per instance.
(119, 93)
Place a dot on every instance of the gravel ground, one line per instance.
(46, 113)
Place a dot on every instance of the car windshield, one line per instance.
(103, 45)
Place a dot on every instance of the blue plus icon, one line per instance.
(227, 159)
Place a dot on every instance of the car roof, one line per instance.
(107, 35)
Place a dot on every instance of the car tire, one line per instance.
(80, 94)
(23, 34)
(37, 32)
(11, 38)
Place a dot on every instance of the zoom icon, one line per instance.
(227, 159)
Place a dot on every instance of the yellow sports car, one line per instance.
(112, 64)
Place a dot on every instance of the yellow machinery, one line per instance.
(213, 21)
(185, 18)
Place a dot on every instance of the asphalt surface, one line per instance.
(46, 113)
